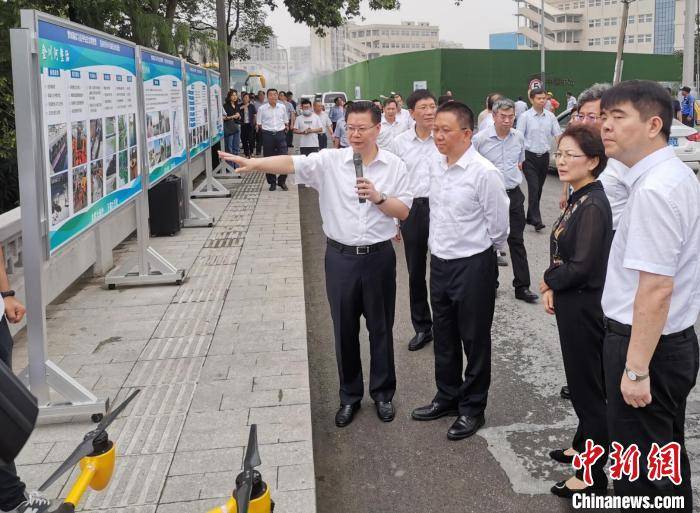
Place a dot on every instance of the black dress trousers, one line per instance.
(363, 285)
(414, 231)
(463, 296)
(580, 323)
(274, 143)
(673, 371)
(516, 242)
(535, 170)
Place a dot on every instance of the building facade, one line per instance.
(654, 26)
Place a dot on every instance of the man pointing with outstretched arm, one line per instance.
(358, 220)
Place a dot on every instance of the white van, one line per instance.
(329, 97)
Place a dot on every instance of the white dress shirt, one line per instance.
(417, 154)
(325, 122)
(389, 131)
(404, 116)
(538, 129)
(520, 108)
(469, 207)
(571, 103)
(312, 122)
(659, 233)
(615, 188)
(345, 219)
(272, 119)
(487, 122)
(505, 153)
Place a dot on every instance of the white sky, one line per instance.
(469, 23)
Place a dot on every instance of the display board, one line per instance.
(164, 117)
(197, 109)
(90, 127)
(216, 107)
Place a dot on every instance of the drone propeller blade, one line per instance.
(252, 454)
(80, 452)
(243, 493)
(108, 409)
(110, 416)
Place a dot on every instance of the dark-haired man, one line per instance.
(360, 259)
(650, 298)
(468, 218)
(416, 147)
(391, 126)
(273, 121)
(539, 126)
(487, 120)
(687, 107)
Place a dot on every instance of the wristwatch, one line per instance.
(633, 376)
(383, 197)
(7, 293)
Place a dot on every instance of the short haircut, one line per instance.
(646, 97)
(588, 139)
(305, 101)
(444, 99)
(337, 100)
(464, 114)
(319, 102)
(282, 93)
(376, 101)
(520, 99)
(397, 94)
(362, 106)
(503, 104)
(569, 93)
(418, 95)
(272, 89)
(289, 93)
(491, 99)
(390, 100)
(593, 93)
(686, 89)
(537, 90)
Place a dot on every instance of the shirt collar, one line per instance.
(386, 121)
(414, 136)
(463, 161)
(535, 113)
(647, 163)
(382, 155)
(492, 134)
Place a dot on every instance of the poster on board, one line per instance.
(90, 127)
(163, 106)
(216, 107)
(197, 110)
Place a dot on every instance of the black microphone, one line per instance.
(357, 160)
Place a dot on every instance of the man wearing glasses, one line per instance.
(468, 220)
(416, 147)
(358, 220)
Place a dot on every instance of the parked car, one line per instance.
(329, 97)
(685, 140)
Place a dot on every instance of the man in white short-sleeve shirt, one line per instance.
(358, 220)
(651, 297)
(308, 125)
(391, 126)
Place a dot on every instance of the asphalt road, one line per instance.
(407, 466)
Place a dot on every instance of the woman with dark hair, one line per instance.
(572, 289)
(248, 112)
(232, 120)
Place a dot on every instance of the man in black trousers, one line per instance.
(416, 147)
(273, 122)
(539, 126)
(468, 220)
(358, 220)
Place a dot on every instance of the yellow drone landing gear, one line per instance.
(252, 495)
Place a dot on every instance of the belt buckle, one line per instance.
(362, 250)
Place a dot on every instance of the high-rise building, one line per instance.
(654, 26)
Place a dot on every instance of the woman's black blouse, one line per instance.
(580, 241)
(231, 126)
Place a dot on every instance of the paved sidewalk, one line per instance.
(224, 350)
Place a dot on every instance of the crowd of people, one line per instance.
(624, 271)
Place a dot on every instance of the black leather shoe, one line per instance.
(434, 410)
(419, 340)
(345, 414)
(385, 411)
(561, 490)
(273, 187)
(526, 295)
(564, 392)
(284, 187)
(558, 455)
(539, 227)
(464, 427)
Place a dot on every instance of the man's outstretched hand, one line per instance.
(244, 165)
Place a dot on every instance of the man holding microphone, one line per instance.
(361, 190)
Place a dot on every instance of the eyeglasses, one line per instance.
(423, 108)
(566, 156)
(359, 129)
(587, 117)
(447, 131)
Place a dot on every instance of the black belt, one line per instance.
(420, 200)
(358, 250)
(538, 155)
(625, 330)
(272, 132)
(511, 191)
